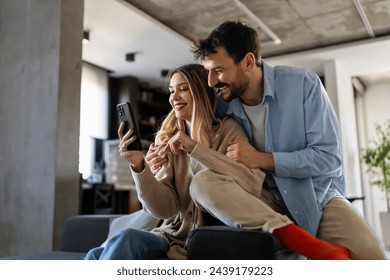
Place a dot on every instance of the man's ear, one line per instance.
(249, 60)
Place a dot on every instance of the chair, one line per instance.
(104, 199)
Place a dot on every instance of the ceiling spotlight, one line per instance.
(164, 72)
(85, 37)
(130, 57)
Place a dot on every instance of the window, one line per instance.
(93, 115)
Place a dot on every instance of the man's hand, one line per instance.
(245, 153)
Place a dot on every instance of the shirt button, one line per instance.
(296, 212)
(285, 192)
(269, 148)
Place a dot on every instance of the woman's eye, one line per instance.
(183, 89)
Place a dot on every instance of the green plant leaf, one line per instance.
(377, 157)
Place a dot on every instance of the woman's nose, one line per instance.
(175, 95)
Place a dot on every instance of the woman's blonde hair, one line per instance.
(203, 120)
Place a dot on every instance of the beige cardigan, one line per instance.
(166, 195)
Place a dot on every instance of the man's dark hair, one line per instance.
(237, 37)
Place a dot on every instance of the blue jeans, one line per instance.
(131, 244)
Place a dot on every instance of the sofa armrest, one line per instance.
(84, 232)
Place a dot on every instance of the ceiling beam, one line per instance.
(364, 18)
(261, 25)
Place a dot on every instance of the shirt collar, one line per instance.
(235, 106)
(269, 80)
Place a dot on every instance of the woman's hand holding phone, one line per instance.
(134, 157)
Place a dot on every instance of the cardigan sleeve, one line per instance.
(250, 180)
(157, 194)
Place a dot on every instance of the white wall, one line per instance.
(338, 81)
(373, 108)
(361, 60)
(339, 65)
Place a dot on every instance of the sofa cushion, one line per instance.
(53, 255)
(139, 220)
(84, 232)
(229, 243)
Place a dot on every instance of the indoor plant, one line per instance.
(377, 159)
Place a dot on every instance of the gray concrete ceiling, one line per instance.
(299, 24)
(160, 32)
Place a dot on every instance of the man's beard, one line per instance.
(236, 90)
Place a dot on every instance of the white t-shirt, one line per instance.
(256, 115)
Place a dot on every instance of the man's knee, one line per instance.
(200, 186)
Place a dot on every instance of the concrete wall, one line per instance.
(40, 60)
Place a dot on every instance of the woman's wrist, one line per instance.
(139, 167)
(190, 147)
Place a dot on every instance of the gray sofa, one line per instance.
(83, 232)
(80, 233)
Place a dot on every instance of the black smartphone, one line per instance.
(126, 115)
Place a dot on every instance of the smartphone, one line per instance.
(126, 115)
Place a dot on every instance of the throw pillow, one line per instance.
(138, 220)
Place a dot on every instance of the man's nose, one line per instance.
(212, 79)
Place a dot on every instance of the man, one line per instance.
(294, 137)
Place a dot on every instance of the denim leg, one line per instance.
(133, 244)
(94, 254)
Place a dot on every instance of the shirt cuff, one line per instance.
(284, 164)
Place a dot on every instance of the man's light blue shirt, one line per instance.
(302, 133)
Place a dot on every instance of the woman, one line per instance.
(194, 142)
(188, 185)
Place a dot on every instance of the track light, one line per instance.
(130, 57)
(85, 37)
(164, 72)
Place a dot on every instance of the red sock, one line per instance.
(302, 242)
